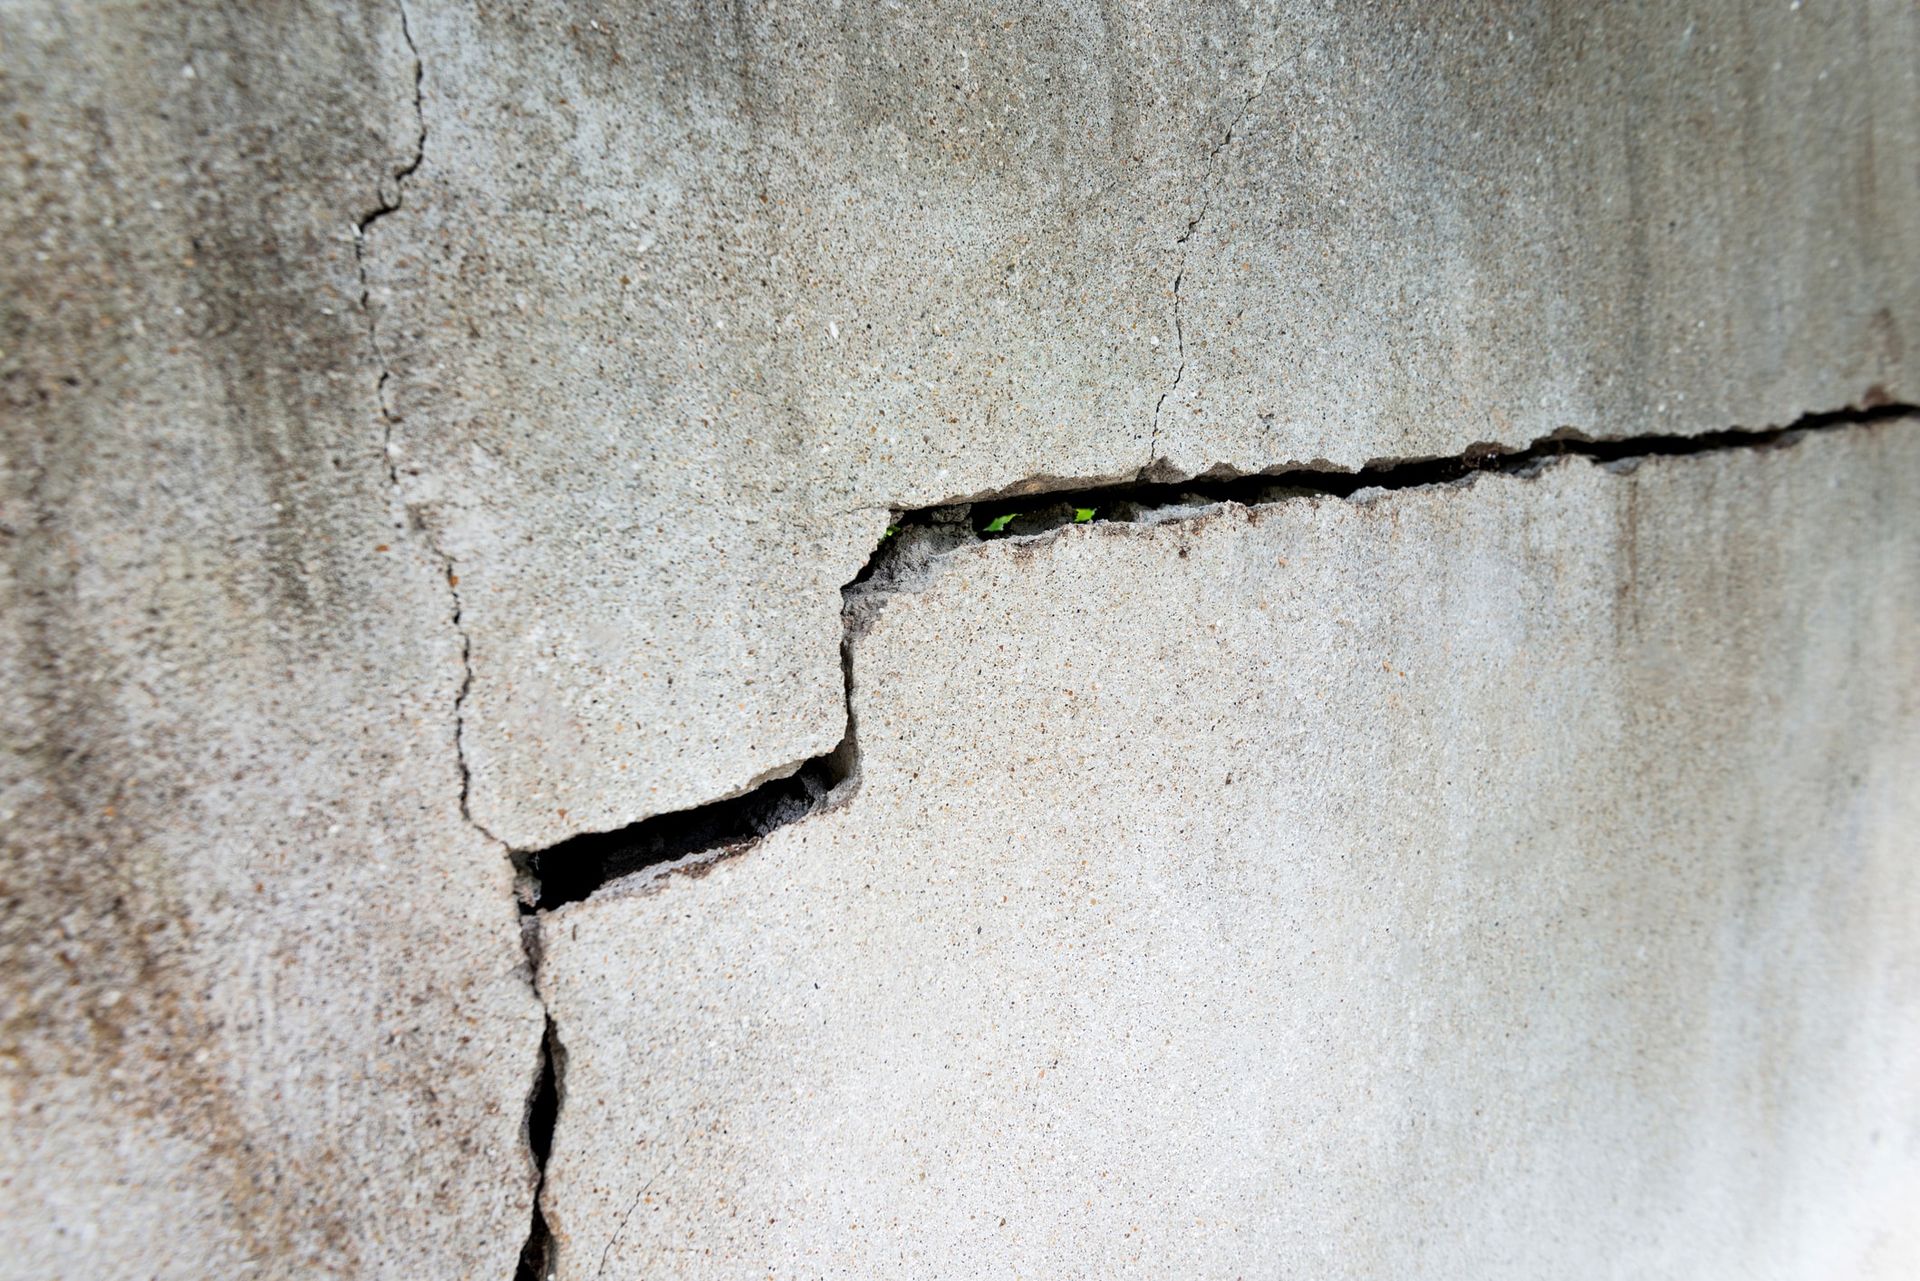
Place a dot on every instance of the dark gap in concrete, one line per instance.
(1140, 500)
(906, 556)
(543, 1110)
(575, 868)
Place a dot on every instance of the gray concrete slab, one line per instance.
(681, 304)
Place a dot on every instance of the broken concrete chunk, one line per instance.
(1476, 882)
(681, 304)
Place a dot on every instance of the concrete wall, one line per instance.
(267, 1012)
(436, 433)
(1513, 879)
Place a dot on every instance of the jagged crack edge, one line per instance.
(392, 200)
(542, 1118)
(692, 841)
(1152, 501)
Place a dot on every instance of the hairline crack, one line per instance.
(1180, 273)
(542, 1095)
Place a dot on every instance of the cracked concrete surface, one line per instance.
(679, 308)
(1180, 275)
(1548, 907)
(267, 1011)
(438, 430)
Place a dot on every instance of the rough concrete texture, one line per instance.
(682, 301)
(266, 1008)
(1515, 879)
(433, 427)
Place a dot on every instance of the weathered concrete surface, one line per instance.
(1442, 225)
(681, 303)
(1520, 879)
(677, 308)
(266, 1012)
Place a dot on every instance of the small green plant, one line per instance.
(999, 523)
(1081, 515)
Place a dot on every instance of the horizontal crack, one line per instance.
(693, 840)
(1143, 500)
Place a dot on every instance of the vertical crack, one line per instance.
(391, 196)
(391, 199)
(1180, 351)
(1180, 275)
(543, 1100)
(460, 702)
(543, 1110)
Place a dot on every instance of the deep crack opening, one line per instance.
(1155, 500)
(543, 1112)
(693, 840)
(575, 868)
